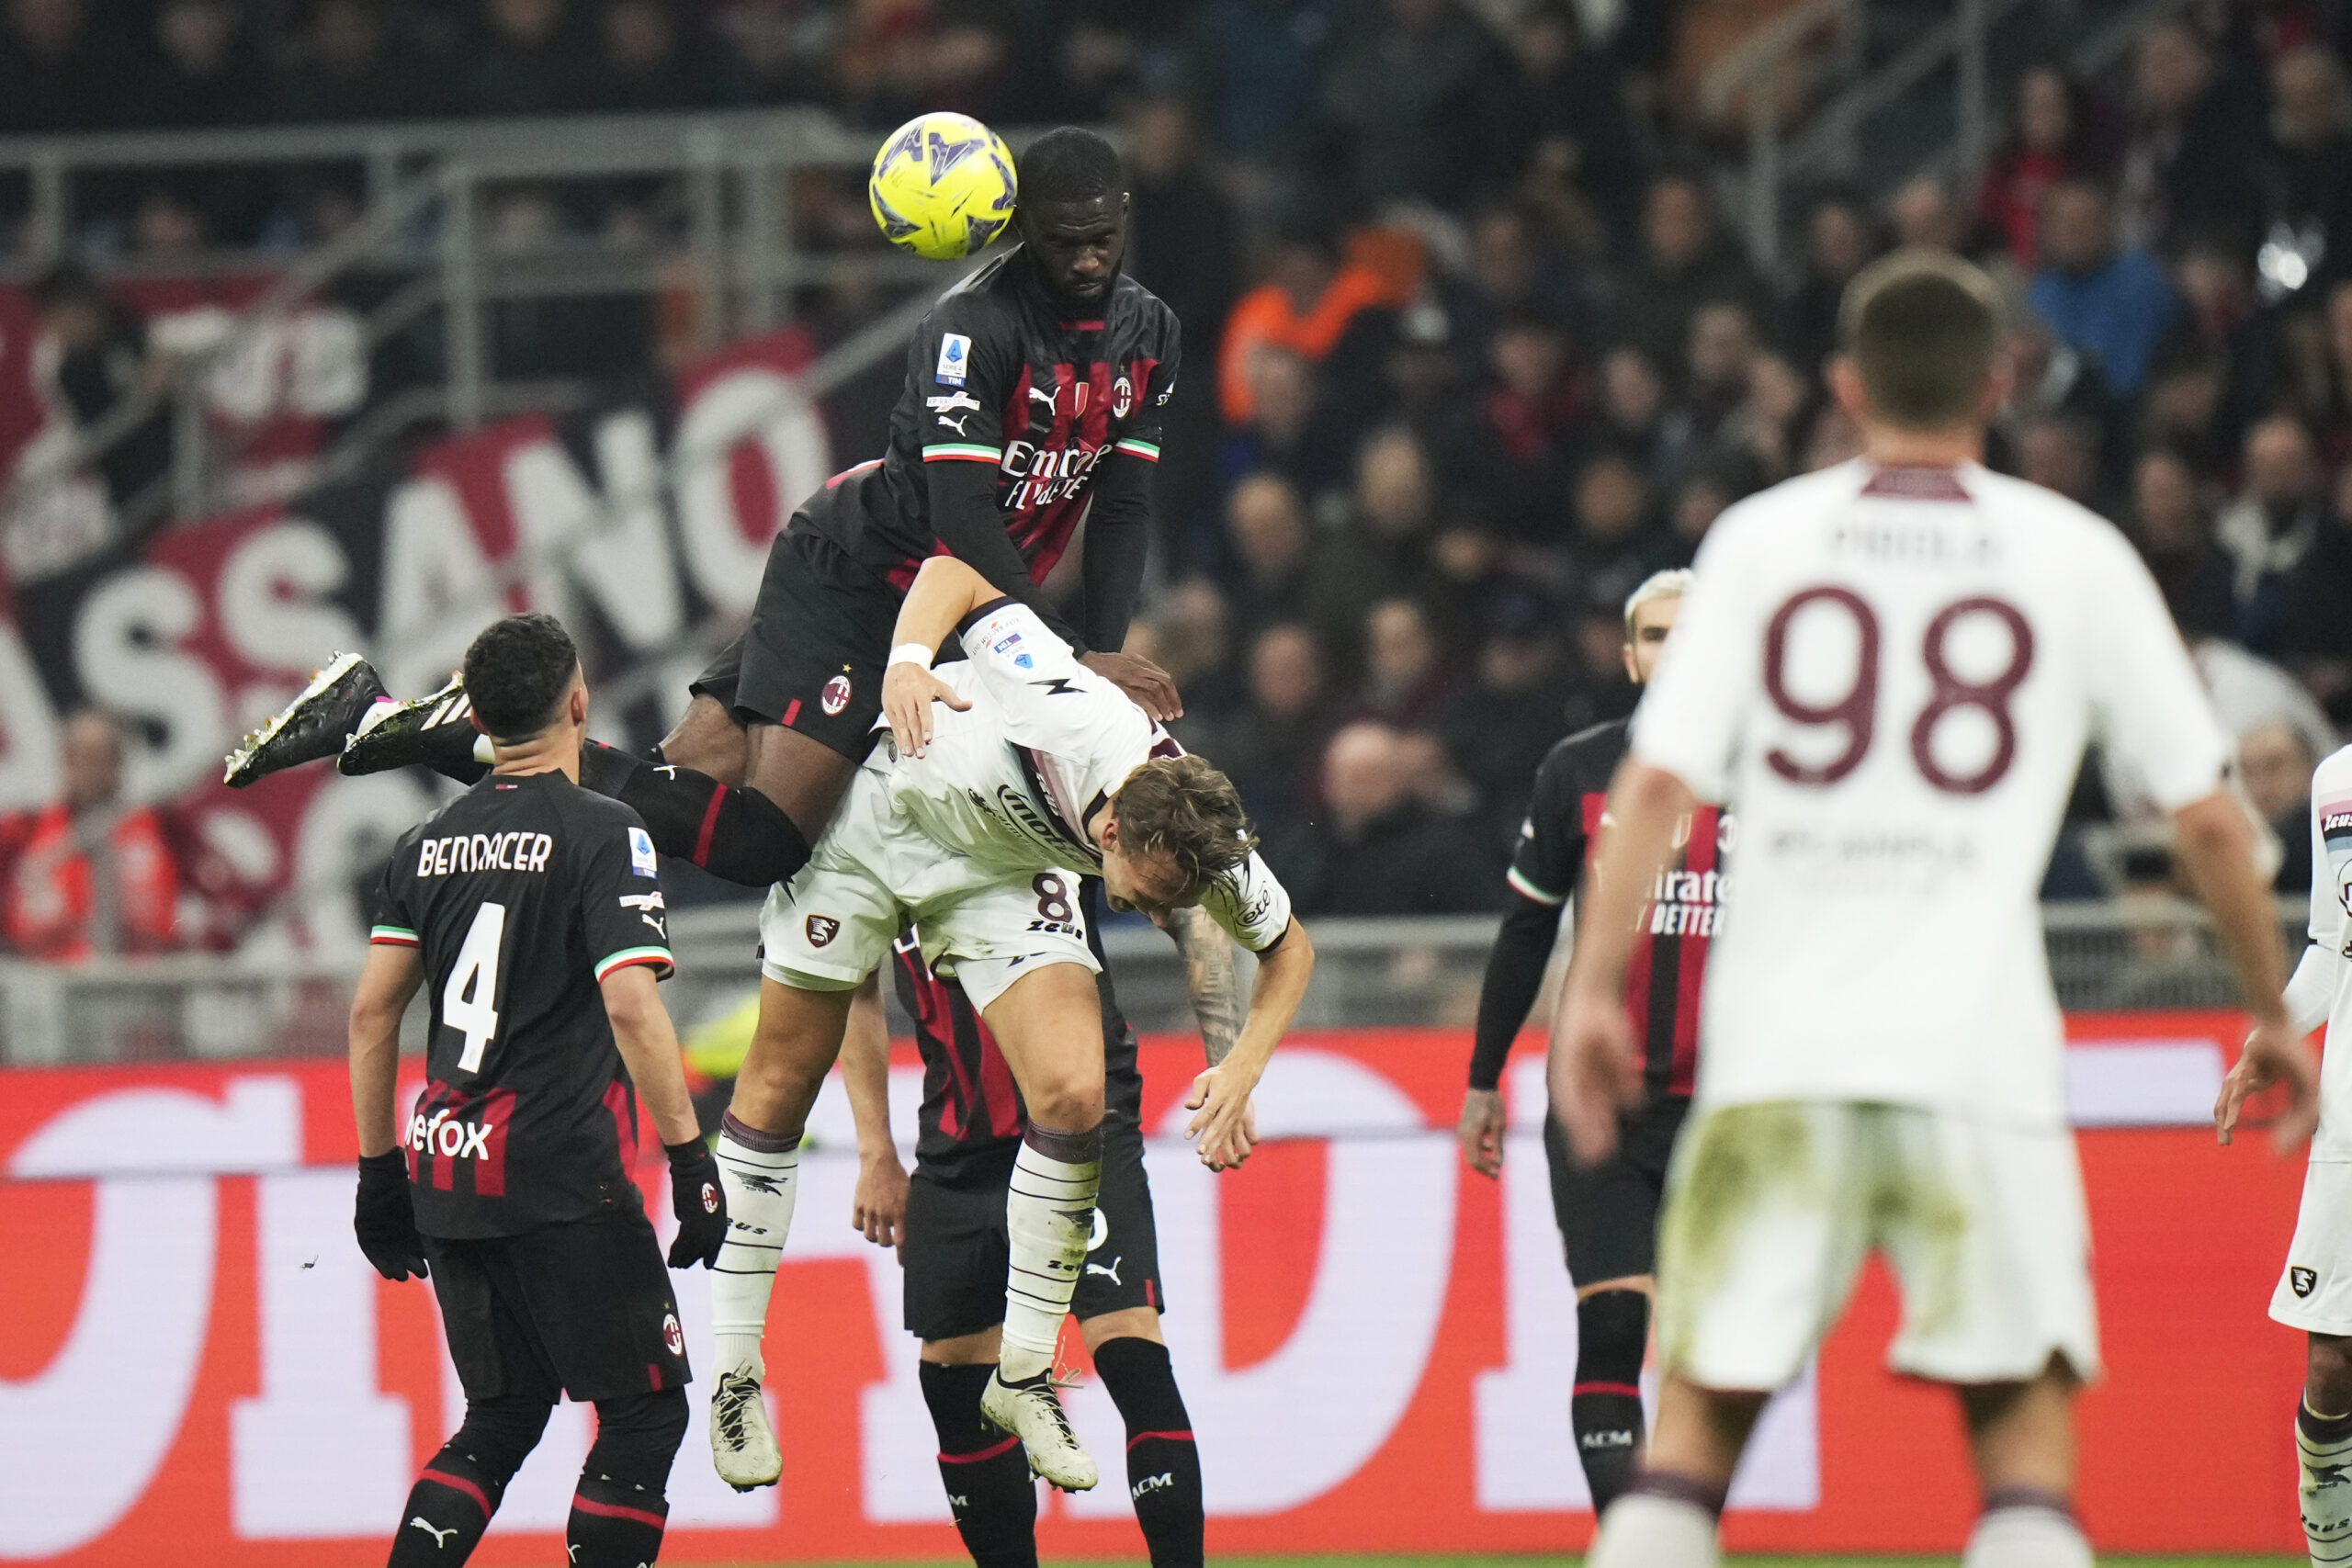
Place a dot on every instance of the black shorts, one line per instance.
(1608, 1212)
(813, 656)
(957, 1252)
(582, 1308)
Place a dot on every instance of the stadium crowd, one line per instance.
(1470, 349)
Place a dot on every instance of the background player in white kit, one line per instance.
(2314, 1292)
(1006, 777)
(1890, 669)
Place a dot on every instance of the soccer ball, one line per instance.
(943, 186)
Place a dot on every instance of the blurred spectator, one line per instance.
(1261, 65)
(95, 349)
(1510, 277)
(1408, 104)
(2274, 764)
(204, 69)
(1840, 241)
(2269, 532)
(1499, 727)
(1375, 849)
(2306, 176)
(1289, 430)
(1406, 682)
(90, 874)
(354, 60)
(2108, 302)
(1181, 236)
(1393, 514)
(2059, 451)
(1311, 304)
(1532, 419)
(2055, 134)
(1614, 548)
(1271, 748)
(1632, 415)
(652, 56)
(1763, 431)
(2222, 328)
(1267, 526)
(63, 66)
(1684, 263)
(529, 60)
(1721, 352)
(1925, 216)
(2194, 137)
(2175, 535)
(1562, 111)
(1698, 501)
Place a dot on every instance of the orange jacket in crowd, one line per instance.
(1383, 270)
(48, 899)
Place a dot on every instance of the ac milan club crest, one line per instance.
(1078, 399)
(1123, 397)
(822, 929)
(835, 696)
(672, 1334)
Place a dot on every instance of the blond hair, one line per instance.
(1670, 584)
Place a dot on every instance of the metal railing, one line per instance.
(2126, 954)
(741, 252)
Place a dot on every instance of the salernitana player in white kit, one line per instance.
(1890, 670)
(2314, 1292)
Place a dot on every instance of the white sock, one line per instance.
(1049, 1214)
(1649, 1529)
(2323, 1454)
(762, 1173)
(2023, 1530)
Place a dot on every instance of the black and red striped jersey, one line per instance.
(1668, 968)
(998, 375)
(972, 1116)
(522, 896)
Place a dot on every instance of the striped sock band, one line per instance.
(761, 1174)
(2324, 1455)
(1049, 1214)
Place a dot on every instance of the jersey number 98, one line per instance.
(1856, 710)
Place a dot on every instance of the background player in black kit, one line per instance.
(1608, 1214)
(533, 909)
(949, 1224)
(1035, 396)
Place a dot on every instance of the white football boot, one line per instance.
(742, 1445)
(1031, 1411)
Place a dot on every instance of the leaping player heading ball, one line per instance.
(1889, 669)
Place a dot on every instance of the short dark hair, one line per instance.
(1183, 808)
(516, 673)
(1069, 163)
(1923, 328)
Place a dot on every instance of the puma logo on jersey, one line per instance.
(440, 1537)
(448, 1137)
(956, 424)
(1042, 395)
(1112, 1273)
(645, 904)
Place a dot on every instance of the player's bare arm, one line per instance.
(2215, 846)
(1596, 1064)
(1214, 987)
(878, 1206)
(383, 1219)
(1480, 1130)
(648, 1048)
(1222, 1122)
(943, 594)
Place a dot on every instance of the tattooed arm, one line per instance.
(1209, 974)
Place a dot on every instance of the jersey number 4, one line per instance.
(469, 1000)
(1857, 711)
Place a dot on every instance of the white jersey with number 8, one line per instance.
(1891, 674)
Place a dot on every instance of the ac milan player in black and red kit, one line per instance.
(1035, 396)
(950, 1225)
(1608, 1214)
(533, 910)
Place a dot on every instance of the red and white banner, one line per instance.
(198, 1367)
(633, 524)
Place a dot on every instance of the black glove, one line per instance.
(699, 1199)
(385, 1221)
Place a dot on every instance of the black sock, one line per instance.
(446, 1513)
(615, 1525)
(985, 1472)
(730, 830)
(1163, 1464)
(1612, 1335)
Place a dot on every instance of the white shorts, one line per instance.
(830, 927)
(1771, 1208)
(2314, 1292)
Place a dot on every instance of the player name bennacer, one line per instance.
(483, 851)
